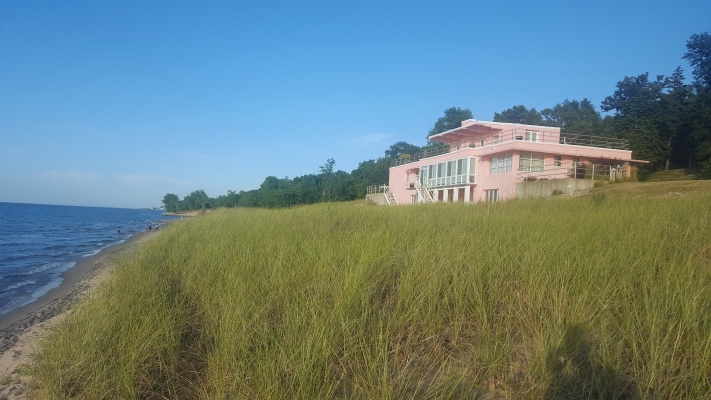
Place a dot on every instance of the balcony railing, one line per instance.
(570, 170)
(519, 135)
(429, 152)
(377, 189)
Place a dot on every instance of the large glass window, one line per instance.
(501, 163)
(531, 162)
(453, 172)
(461, 166)
(422, 174)
(472, 169)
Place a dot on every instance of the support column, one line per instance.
(456, 194)
(467, 194)
(445, 195)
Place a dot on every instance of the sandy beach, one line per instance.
(22, 328)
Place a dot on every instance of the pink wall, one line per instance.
(505, 182)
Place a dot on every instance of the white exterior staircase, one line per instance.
(390, 197)
(424, 193)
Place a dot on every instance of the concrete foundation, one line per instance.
(376, 198)
(546, 187)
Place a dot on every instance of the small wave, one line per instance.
(46, 288)
(18, 285)
(92, 253)
(16, 302)
(43, 267)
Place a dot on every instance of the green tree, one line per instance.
(578, 117)
(327, 168)
(698, 54)
(171, 202)
(452, 119)
(196, 200)
(519, 115)
(639, 116)
(369, 173)
(399, 148)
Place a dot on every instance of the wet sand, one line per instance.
(22, 328)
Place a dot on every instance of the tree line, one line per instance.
(666, 121)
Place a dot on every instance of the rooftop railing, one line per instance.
(428, 152)
(518, 135)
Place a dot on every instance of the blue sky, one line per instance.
(118, 103)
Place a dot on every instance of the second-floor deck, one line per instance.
(517, 135)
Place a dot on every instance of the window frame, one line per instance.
(495, 166)
(529, 165)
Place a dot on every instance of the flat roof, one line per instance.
(473, 127)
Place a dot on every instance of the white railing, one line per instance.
(377, 189)
(430, 152)
(389, 196)
(424, 193)
(570, 170)
(519, 135)
(544, 137)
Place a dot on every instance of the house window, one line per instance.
(531, 136)
(441, 171)
(531, 162)
(502, 163)
(496, 139)
(492, 195)
(557, 161)
(472, 169)
(452, 172)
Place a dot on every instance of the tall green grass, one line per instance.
(603, 296)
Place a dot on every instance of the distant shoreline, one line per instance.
(193, 213)
(60, 299)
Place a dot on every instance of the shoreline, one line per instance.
(61, 298)
(23, 328)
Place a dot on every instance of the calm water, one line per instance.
(39, 242)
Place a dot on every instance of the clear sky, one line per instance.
(118, 103)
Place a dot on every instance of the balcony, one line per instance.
(570, 170)
(430, 152)
(519, 135)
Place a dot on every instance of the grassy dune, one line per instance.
(600, 296)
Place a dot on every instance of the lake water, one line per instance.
(40, 242)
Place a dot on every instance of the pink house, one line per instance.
(490, 161)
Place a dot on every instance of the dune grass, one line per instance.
(601, 296)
